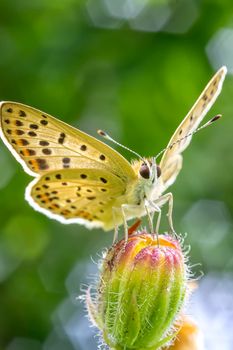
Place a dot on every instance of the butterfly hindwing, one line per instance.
(171, 162)
(69, 195)
(42, 143)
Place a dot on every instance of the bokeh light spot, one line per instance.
(99, 16)
(125, 9)
(212, 308)
(220, 49)
(71, 321)
(79, 276)
(144, 15)
(209, 221)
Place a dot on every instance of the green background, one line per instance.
(131, 70)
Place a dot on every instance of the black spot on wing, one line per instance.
(42, 164)
(65, 212)
(66, 162)
(28, 152)
(33, 126)
(18, 123)
(32, 133)
(47, 151)
(22, 113)
(205, 97)
(44, 143)
(23, 142)
(61, 138)
(19, 132)
(102, 157)
(83, 147)
(44, 122)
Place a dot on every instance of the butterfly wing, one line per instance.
(42, 143)
(78, 177)
(83, 196)
(171, 162)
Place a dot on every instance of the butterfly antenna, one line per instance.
(106, 136)
(212, 120)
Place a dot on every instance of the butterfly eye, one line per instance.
(144, 171)
(158, 171)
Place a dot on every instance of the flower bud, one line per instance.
(141, 291)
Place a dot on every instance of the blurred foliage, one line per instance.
(133, 68)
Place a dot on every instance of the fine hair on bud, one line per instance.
(140, 293)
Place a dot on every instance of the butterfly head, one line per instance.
(149, 170)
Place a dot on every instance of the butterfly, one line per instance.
(79, 179)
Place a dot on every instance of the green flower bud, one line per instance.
(141, 290)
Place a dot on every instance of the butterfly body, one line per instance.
(79, 179)
(148, 184)
(137, 192)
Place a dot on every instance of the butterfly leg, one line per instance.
(125, 210)
(114, 214)
(167, 198)
(123, 207)
(150, 219)
(122, 212)
(155, 208)
(150, 206)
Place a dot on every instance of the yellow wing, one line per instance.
(42, 143)
(171, 162)
(84, 196)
